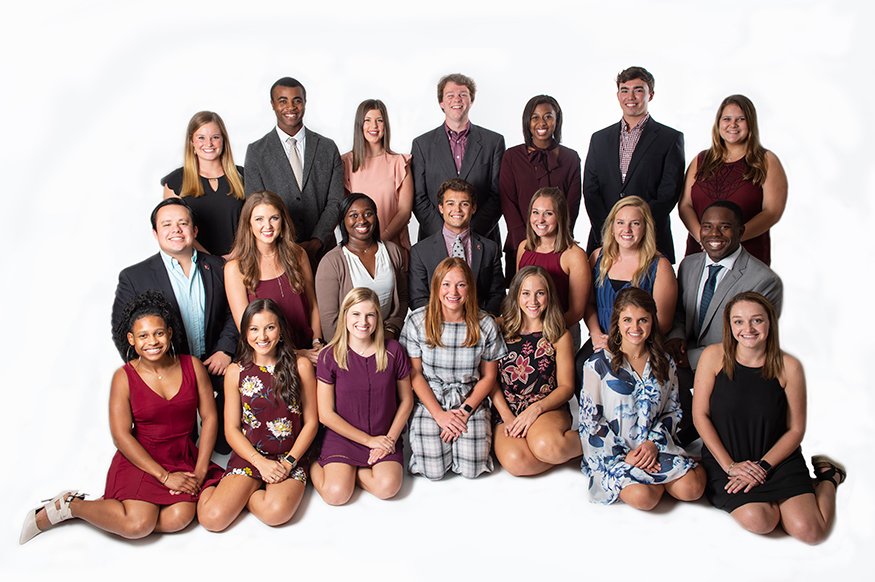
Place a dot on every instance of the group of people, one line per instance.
(228, 321)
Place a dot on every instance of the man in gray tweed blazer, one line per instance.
(300, 166)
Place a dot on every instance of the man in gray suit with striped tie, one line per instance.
(300, 166)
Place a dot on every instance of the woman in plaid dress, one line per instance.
(454, 349)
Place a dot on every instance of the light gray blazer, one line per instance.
(314, 213)
(748, 274)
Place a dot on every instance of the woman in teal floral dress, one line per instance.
(629, 412)
(270, 422)
(536, 379)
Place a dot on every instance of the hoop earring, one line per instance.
(172, 350)
(618, 340)
(128, 357)
(281, 339)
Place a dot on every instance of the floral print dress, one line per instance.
(618, 412)
(527, 372)
(270, 425)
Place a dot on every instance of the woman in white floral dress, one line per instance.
(270, 422)
(629, 413)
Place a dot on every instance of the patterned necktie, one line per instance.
(459, 248)
(295, 160)
(708, 292)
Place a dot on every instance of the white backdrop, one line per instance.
(95, 104)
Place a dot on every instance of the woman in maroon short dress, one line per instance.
(364, 398)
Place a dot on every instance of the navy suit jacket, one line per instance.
(314, 211)
(220, 333)
(433, 164)
(656, 174)
(427, 254)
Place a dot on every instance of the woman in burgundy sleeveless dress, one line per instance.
(266, 263)
(157, 474)
(736, 168)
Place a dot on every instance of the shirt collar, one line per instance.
(301, 136)
(172, 262)
(727, 262)
(639, 126)
(457, 134)
(449, 234)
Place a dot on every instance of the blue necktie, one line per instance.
(708, 292)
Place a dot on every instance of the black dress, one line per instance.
(216, 212)
(749, 413)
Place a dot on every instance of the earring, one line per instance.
(172, 350)
(281, 339)
(128, 357)
(618, 339)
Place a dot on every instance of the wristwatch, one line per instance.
(467, 408)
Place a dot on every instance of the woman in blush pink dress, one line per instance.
(374, 169)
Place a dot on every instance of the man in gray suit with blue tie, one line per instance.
(706, 283)
(300, 166)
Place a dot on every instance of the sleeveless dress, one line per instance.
(364, 398)
(271, 427)
(552, 263)
(728, 183)
(163, 428)
(749, 413)
(606, 293)
(527, 373)
(294, 306)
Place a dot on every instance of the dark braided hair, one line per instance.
(286, 382)
(151, 302)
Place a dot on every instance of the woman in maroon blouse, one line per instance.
(736, 168)
(539, 162)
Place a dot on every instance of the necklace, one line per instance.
(140, 366)
(364, 252)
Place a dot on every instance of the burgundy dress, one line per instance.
(551, 262)
(364, 398)
(163, 428)
(728, 184)
(294, 306)
(270, 427)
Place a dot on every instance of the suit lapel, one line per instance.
(207, 278)
(162, 279)
(281, 161)
(691, 293)
(442, 152)
(614, 155)
(648, 136)
(312, 145)
(472, 150)
(723, 289)
(476, 254)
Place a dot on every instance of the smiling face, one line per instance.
(288, 104)
(207, 142)
(174, 231)
(361, 320)
(457, 210)
(533, 298)
(720, 232)
(373, 127)
(635, 325)
(733, 125)
(542, 124)
(263, 334)
(543, 217)
(359, 221)
(634, 95)
(750, 324)
(266, 223)
(456, 103)
(629, 227)
(453, 291)
(150, 337)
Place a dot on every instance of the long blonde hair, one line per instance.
(552, 319)
(434, 317)
(191, 180)
(340, 342)
(611, 249)
(754, 152)
(245, 251)
(564, 240)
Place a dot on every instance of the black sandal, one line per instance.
(831, 469)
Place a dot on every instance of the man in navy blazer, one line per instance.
(457, 206)
(211, 337)
(457, 149)
(313, 190)
(635, 157)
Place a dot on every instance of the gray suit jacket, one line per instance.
(314, 213)
(433, 164)
(748, 274)
(427, 254)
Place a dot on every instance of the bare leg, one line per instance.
(219, 506)
(689, 487)
(551, 439)
(335, 482)
(129, 519)
(515, 456)
(759, 518)
(807, 517)
(642, 496)
(382, 480)
(276, 503)
(176, 517)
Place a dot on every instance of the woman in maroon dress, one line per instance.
(267, 263)
(736, 168)
(158, 472)
(365, 398)
(270, 422)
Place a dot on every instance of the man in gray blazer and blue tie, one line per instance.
(300, 166)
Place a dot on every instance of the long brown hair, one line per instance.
(359, 144)
(191, 180)
(654, 344)
(340, 342)
(754, 153)
(245, 251)
(434, 317)
(774, 364)
(611, 249)
(512, 318)
(564, 240)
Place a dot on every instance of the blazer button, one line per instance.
(298, 198)
(621, 194)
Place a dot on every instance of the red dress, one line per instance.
(728, 184)
(163, 428)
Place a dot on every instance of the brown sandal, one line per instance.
(829, 470)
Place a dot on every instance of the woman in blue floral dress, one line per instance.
(629, 412)
(270, 422)
(536, 379)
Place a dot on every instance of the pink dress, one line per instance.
(381, 179)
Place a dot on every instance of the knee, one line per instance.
(690, 487)
(806, 530)
(758, 520)
(514, 462)
(212, 518)
(334, 493)
(277, 513)
(386, 488)
(138, 526)
(643, 497)
(546, 449)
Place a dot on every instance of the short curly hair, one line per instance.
(151, 302)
